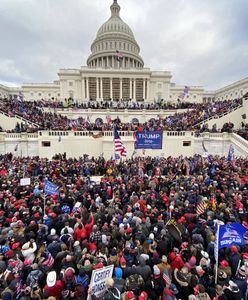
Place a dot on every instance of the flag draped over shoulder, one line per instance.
(51, 188)
(119, 147)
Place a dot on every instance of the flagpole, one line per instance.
(44, 206)
(114, 143)
(216, 250)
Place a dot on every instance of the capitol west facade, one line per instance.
(107, 78)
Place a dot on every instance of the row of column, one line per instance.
(99, 92)
(111, 62)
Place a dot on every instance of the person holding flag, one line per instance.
(230, 156)
(49, 189)
(119, 148)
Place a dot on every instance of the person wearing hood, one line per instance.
(119, 282)
(176, 259)
(234, 259)
(232, 291)
(240, 280)
(28, 250)
(143, 269)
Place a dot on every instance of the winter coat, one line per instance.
(143, 269)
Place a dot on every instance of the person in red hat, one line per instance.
(234, 259)
(130, 295)
(143, 296)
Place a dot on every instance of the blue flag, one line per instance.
(51, 188)
(230, 156)
(117, 156)
(232, 234)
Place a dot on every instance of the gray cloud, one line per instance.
(201, 42)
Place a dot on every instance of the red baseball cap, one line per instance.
(130, 295)
(143, 296)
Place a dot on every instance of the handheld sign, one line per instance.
(149, 140)
(98, 280)
(25, 181)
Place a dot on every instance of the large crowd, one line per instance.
(243, 131)
(116, 105)
(181, 121)
(141, 217)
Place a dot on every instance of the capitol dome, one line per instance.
(115, 45)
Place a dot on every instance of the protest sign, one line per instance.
(98, 280)
(25, 181)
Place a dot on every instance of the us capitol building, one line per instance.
(115, 70)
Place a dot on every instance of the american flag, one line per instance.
(119, 55)
(119, 147)
(200, 208)
(166, 278)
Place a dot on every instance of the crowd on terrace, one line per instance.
(142, 217)
(116, 105)
(187, 120)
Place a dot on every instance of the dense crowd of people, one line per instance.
(116, 105)
(243, 131)
(142, 217)
(188, 120)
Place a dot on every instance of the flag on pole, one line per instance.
(16, 147)
(59, 140)
(231, 234)
(51, 188)
(230, 156)
(119, 147)
(206, 154)
(200, 208)
(108, 119)
(118, 55)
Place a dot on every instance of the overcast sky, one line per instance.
(202, 42)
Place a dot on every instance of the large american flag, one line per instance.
(200, 208)
(119, 147)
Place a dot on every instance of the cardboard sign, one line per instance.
(98, 280)
(25, 181)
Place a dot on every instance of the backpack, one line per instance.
(115, 294)
(134, 282)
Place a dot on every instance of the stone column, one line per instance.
(97, 88)
(148, 89)
(130, 88)
(101, 89)
(83, 89)
(120, 88)
(144, 88)
(113, 62)
(111, 88)
(87, 89)
(134, 89)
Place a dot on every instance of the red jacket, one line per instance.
(88, 227)
(176, 261)
(56, 290)
(167, 294)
